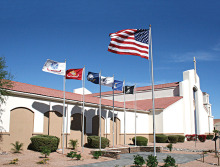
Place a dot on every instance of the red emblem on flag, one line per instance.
(74, 74)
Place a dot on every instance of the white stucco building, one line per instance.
(180, 108)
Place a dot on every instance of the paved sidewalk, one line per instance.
(128, 159)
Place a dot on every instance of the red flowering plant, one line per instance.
(188, 137)
(192, 137)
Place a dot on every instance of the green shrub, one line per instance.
(140, 140)
(73, 143)
(78, 156)
(39, 141)
(97, 154)
(17, 147)
(173, 138)
(152, 161)
(138, 160)
(93, 142)
(161, 139)
(169, 161)
(181, 138)
(71, 154)
(209, 137)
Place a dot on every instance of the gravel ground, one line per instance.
(30, 158)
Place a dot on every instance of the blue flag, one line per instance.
(118, 85)
(93, 77)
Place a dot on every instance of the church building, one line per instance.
(180, 108)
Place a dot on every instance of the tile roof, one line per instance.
(141, 104)
(160, 103)
(38, 90)
(161, 86)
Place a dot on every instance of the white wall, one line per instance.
(142, 122)
(158, 122)
(15, 102)
(173, 118)
(80, 91)
(39, 107)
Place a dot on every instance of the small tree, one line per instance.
(17, 147)
(5, 80)
(216, 132)
(170, 147)
(45, 151)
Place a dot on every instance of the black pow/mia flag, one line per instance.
(128, 90)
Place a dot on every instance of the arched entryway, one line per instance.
(117, 127)
(76, 124)
(53, 124)
(95, 126)
(21, 126)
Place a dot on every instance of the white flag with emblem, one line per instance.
(54, 67)
(107, 81)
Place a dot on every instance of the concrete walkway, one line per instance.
(128, 159)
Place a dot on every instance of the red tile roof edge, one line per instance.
(38, 90)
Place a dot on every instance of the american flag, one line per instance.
(130, 42)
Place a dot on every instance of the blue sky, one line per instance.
(78, 31)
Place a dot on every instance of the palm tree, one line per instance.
(17, 147)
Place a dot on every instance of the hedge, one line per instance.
(161, 139)
(39, 141)
(181, 138)
(93, 142)
(173, 138)
(209, 137)
(140, 140)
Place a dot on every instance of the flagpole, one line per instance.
(152, 76)
(113, 119)
(100, 101)
(64, 83)
(83, 85)
(135, 115)
(124, 117)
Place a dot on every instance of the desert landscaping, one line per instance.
(31, 158)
